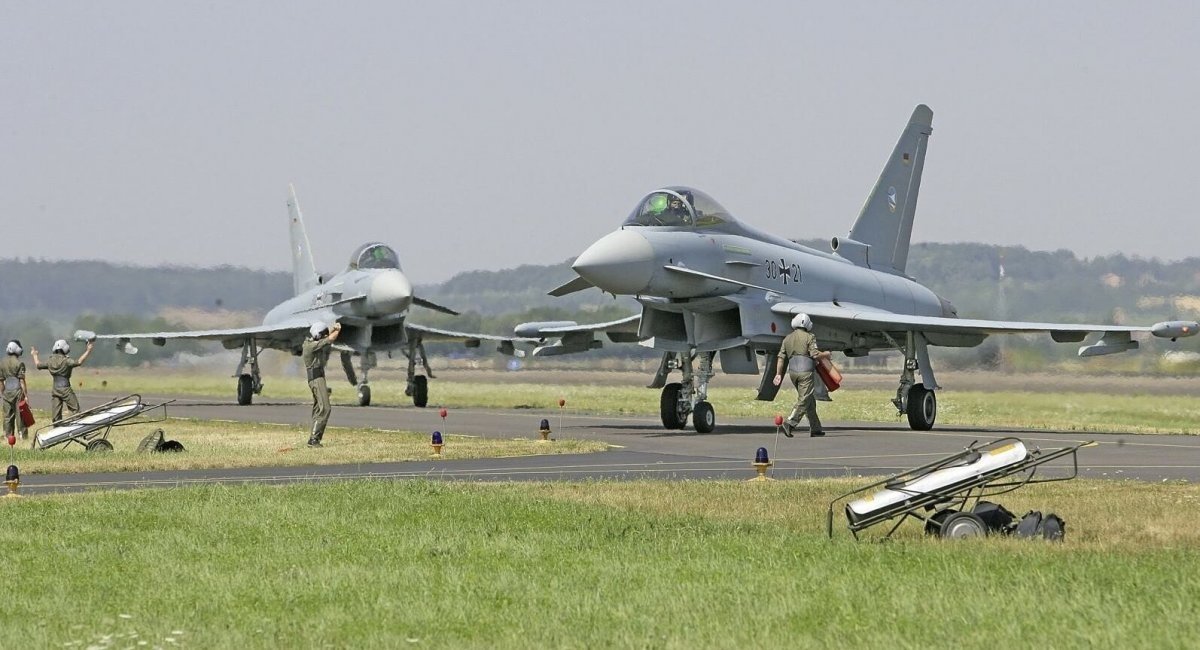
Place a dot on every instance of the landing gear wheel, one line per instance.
(962, 525)
(922, 408)
(668, 407)
(704, 418)
(420, 392)
(364, 395)
(99, 445)
(245, 390)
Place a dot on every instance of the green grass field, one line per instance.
(1128, 412)
(382, 564)
(237, 444)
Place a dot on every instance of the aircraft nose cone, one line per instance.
(620, 262)
(390, 293)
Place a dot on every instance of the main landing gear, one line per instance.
(418, 385)
(678, 400)
(916, 400)
(249, 383)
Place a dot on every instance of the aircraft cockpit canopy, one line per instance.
(374, 256)
(681, 207)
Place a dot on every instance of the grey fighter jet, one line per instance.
(371, 300)
(710, 284)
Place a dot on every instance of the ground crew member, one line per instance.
(315, 353)
(60, 366)
(800, 353)
(12, 373)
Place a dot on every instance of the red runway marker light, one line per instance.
(443, 413)
(778, 420)
(561, 402)
(12, 440)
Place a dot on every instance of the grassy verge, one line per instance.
(681, 565)
(230, 444)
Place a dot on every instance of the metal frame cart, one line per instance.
(947, 493)
(90, 428)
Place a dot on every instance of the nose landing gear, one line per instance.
(678, 400)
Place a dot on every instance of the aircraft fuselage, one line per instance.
(667, 270)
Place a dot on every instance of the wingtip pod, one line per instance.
(85, 335)
(1175, 329)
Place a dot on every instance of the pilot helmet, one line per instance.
(318, 331)
(658, 202)
(61, 345)
(802, 322)
(14, 347)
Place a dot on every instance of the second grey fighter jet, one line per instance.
(371, 300)
(710, 284)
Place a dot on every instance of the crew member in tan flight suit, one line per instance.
(12, 373)
(60, 366)
(315, 354)
(800, 353)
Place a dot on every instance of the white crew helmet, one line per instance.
(318, 330)
(802, 322)
(61, 345)
(14, 347)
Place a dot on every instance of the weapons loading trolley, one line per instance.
(90, 428)
(947, 493)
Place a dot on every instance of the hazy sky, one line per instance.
(492, 134)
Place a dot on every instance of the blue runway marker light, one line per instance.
(762, 461)
(12, 478)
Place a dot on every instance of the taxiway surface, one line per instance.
(642, 448)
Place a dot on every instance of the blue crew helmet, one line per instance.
(318, 331)
(802, 322)
(61, 345)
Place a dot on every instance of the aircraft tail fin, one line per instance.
(304, 270)
(880, 236)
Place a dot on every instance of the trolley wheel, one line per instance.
(921, 407)
(933, 525)
(364, 395)
(668, 407)
(962, 525)
(99, 445)
(245, 390)
(704, 418)
(420, 392)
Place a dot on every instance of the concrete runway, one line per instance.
(644, 448)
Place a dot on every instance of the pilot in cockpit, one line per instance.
(668, 210)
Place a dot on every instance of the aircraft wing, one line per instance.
(507, 344)
(283, 336)
(570, 337)
(859, 318)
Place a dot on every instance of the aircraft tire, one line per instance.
(364, 395)
(668, 406)
(963, 525)
(99, 445)
(704, 418)
(921, 407)
(245, 390)
(420, 392)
